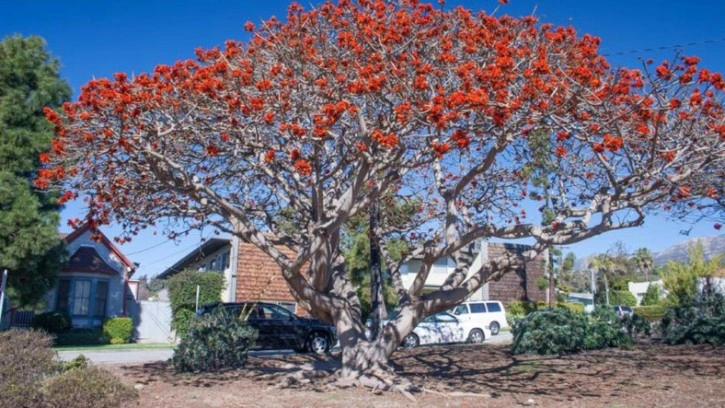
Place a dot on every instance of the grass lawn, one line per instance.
(112, 347)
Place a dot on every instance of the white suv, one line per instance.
(486, 314)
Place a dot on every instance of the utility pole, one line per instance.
(376, 281)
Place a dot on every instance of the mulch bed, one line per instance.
(456, 376)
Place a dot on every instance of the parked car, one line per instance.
(622, 311)
(482, 315)
(281, 329)
(443, 328)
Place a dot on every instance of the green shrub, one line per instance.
(79, 362)
(651, 313)
(89, 387)
(550, 331)
(52, 322)
(118, 329)
(25, 360)
(217, 340)
(182, 295)
(576, 307)
(81, 337)
(652, 296)
(561, 331)
(698, 322)
(623, 298)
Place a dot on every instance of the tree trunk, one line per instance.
(376, 281)
(367, 362)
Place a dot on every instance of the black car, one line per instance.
(281, 329)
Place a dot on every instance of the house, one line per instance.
(249, 273)
(95, 282)
(519, 284)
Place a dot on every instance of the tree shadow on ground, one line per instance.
(480, 369)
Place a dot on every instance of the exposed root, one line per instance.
(378, 380)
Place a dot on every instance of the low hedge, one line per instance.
(576, 307)
(51, 322)
(81, 337)
(25, 361)
(118, 329)
(651, 313)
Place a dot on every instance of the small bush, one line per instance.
(182, 295)
(79, 362)
(215, 341)
(652, 296)
(623, 298)
(118, 329)
(81, 337)
(698, 322)
(52, 322)
(551, 331)
(89, 387)
(650, 313)
(562, 331)
(25, 360)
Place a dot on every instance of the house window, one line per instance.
(81, 298)
(63, 295)
(99, 308)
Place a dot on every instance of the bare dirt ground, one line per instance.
(458, 376)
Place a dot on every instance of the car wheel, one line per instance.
(494, 328)
(476, 336)
(318, 343)
(410, 341)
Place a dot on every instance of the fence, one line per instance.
(152, 321)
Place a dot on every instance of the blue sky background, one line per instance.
(98, 38)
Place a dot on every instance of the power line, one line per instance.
(664, 47)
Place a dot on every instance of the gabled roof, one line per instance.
(103, 240)
(87, 259)
(207, 248)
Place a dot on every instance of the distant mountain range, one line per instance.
(679, 252)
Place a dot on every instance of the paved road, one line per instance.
(151, 355)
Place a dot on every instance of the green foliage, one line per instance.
(622, 297)
(651, 313)
(81, 337)
(576, 307)
(79, 362)
(550, 331)
(562, 331)
(51, 322)
(542, 283)
(652, 295)
(182, 295)
(118, 329)
(216, 341)
(25, 360)
(680, 279)
(698, 322)
(89, 387)
(29, 243)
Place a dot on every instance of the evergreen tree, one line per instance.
(30, 247)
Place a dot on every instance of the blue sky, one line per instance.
(98, 38)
